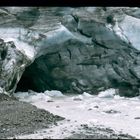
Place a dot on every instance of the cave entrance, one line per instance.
(35, 77)
(25, 84)
(39, 77)
(27, 81)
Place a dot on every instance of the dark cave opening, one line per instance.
(36, 77)
(39, 76)
(33, 79)
(25, 84)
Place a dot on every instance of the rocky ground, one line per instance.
(17, 118)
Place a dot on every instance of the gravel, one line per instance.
(18, 118)
(95, 132)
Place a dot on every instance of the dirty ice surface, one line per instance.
(106, 109)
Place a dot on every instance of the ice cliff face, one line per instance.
(70, 49)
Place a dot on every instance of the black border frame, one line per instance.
(73, 3)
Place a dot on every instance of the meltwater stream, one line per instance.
(105, 110)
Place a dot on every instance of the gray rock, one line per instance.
(74, 50)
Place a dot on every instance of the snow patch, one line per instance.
(109, 93)
(106, 109)
(87, 94)
(54, 93)
(13, 34)
(131, 29)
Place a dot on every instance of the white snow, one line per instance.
(33, 97)
(53, 93)
(87, 94)
(117, 113)
(27, 49)
(131, 29)
(12, 34)
(119, 32)
(109, 93)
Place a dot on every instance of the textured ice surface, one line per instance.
(13, 34)
(109, 93)
(54, 93)
(118, 113)
(131, 29)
